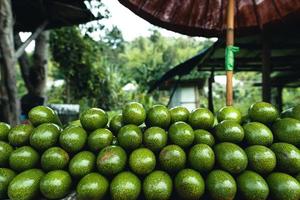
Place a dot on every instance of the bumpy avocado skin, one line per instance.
(99, 139)
(24, 158)
(5, 152)
(73, 139)
(54, 158)
(172, 158)
(155, 138)
(116, 123)
(229, 131)
(142, 161)
(182, 134)
(130, 137)
(229, 113)
(158, 115)
(19, 135)
(82, 164)
(287, 130)
(43, 114)
(6, 176)
(134, 113)
(4, 130)
(263, 112)
(201, 118)
(257, 133)
(204, 137)
(201, 158)
(93, 119)
(179, 113)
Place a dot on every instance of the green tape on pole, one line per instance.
(229, 57)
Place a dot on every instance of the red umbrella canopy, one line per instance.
(208, 17)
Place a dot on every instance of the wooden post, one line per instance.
(266, 68)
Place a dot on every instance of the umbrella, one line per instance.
(218, 18)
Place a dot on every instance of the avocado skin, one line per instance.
(189, 184)
(73, 139)
(263, 112)
(158, 185)
(201, 118)
(134, 113)
(221, 185)
(229, 113)
(125, 186)
(6, 176)
(93, 119)
(130, 137)
(25, 186)
(204, 137)
(287, 156)
(283, 186)
(99, 139)
(172, 158)
(116, 123)
(158, 115)
(19, 135)
(182, 134)
(229, 131)
(4, 130)
(5, 152)
(142, 161)
(179, 113)
(155, 138)
(23, 158)
(56, 184)
(54, 158)
(257, 133)
(92, 186)
(287, 130)
(82, 164)
(251, 186)
(201, 158)
(43, 114)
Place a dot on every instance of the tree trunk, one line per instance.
(9, 101)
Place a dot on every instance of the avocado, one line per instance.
(25, 186)
(179, 113)
(189, 184)
(229, 131)
(229, 113)
(287, 130)
(23, 158)
(220, 185)
(19, 135)
(73, 139)
(158, 185)
(54, 158)
(44, 136)
(56, 184)
(5, 151)
(111, 160)
(82, 164)
(116, 123)
(4, 130)
(201, 158)
(43, 114)
(201, 118)
(92, 187)
(283, 186)
(261, 159)
(204, 137)
(99, 139)
(287, 156)
(6, 176)
(158, 115)
(130, 137)
(181, 134)
(257, 134)
(134, 113)
(125, 185)
(293, 112)
(251, 186)
(172, 158)
(155, 138)
(93, 119)
(231, 157)
(142, 161)
(263, 112)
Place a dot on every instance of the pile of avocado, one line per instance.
(157, 154)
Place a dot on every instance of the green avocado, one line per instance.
(189, 184)
(19, 135)
(229, 113)
(287, 156)
(44, 136)
(201, 158)
(142, 161)
(116, 123)
(25, 186)
(93, 119)
(125, 185)
(181, 134)
(4, 130)
(6, 176)
(251, 186)
(56, 184)
(221, 185)
(99, 139)
(82, 164)
(92, 187)
(293, 112)
(283, 186)
(263, 112)
(158, 115)
(130, 137)
(287, 130)
(179, 113)
(23, 158)
(43, 114)
(5, 151)
(201, 118)
(257, 134)
(111, 160)
(158, 185)
(155, 138)
(229, 131)
(54, 158)
(261, 159)
(73, 139)
(231, 157)
(172, 158)
(134, 113)
(204, 137)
